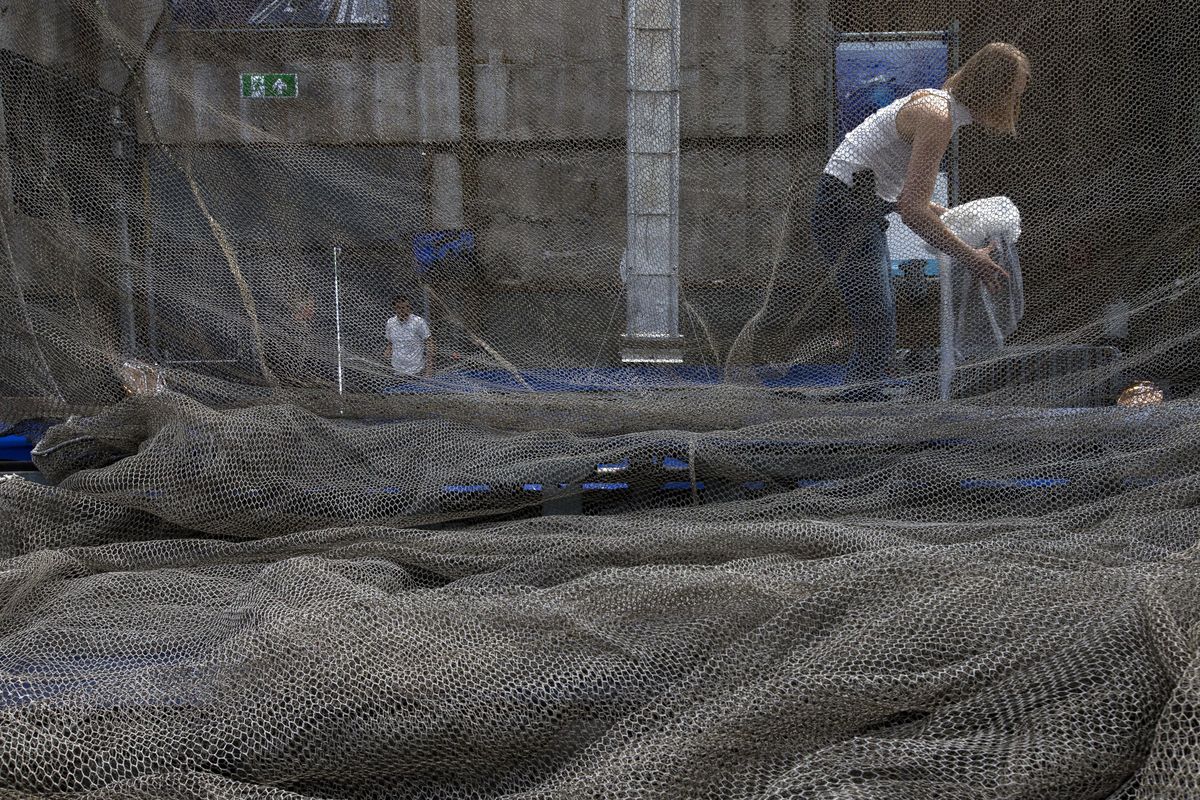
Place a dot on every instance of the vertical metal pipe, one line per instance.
(946, 360)
(337, 318)
(954, 54)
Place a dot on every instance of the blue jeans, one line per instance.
(848, 227)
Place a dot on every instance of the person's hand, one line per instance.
(987, 270)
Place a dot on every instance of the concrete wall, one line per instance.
(751, 75)
(519, 107)
(91, 51)
(552, 217)
(83, 44)
(541, 174)
(397, 85)
(63, 269)
(548, 70)
(551, 70)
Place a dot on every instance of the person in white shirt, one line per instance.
(409, 346)
(892, 160)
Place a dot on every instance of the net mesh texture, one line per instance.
(631, 523)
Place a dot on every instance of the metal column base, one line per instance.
(652, 350)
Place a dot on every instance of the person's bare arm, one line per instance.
(931, 130)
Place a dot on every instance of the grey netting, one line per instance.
(877, 637)
(635, 522)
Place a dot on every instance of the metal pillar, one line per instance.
(337, 318)
(652, 206)
(947, 358)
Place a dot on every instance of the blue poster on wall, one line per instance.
(870, 75)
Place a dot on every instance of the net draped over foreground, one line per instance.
(167, 633)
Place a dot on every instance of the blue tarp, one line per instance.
(614, 379)
(15, 448)
(433, 246)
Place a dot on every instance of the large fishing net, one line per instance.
(632, 537)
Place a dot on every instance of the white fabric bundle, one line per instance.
(976, 321)
(980, 220)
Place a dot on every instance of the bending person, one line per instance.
(891, 162)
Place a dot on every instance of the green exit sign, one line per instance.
(270, 84)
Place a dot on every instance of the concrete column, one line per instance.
(446, 193)
(652, 146)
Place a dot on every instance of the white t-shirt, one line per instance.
(408, 344)
(876, 145)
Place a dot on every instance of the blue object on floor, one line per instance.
(16, 448)
(805, 375)
(615, 379)
(89, 681)
(815, 484)
(1015, 483)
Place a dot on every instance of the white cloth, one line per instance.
(980, 220)
(977, 321)
(408, 344)
(877, 146)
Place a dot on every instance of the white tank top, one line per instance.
(875, 145)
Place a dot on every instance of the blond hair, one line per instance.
(986, 85)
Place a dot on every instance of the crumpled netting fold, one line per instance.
(167, 633)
